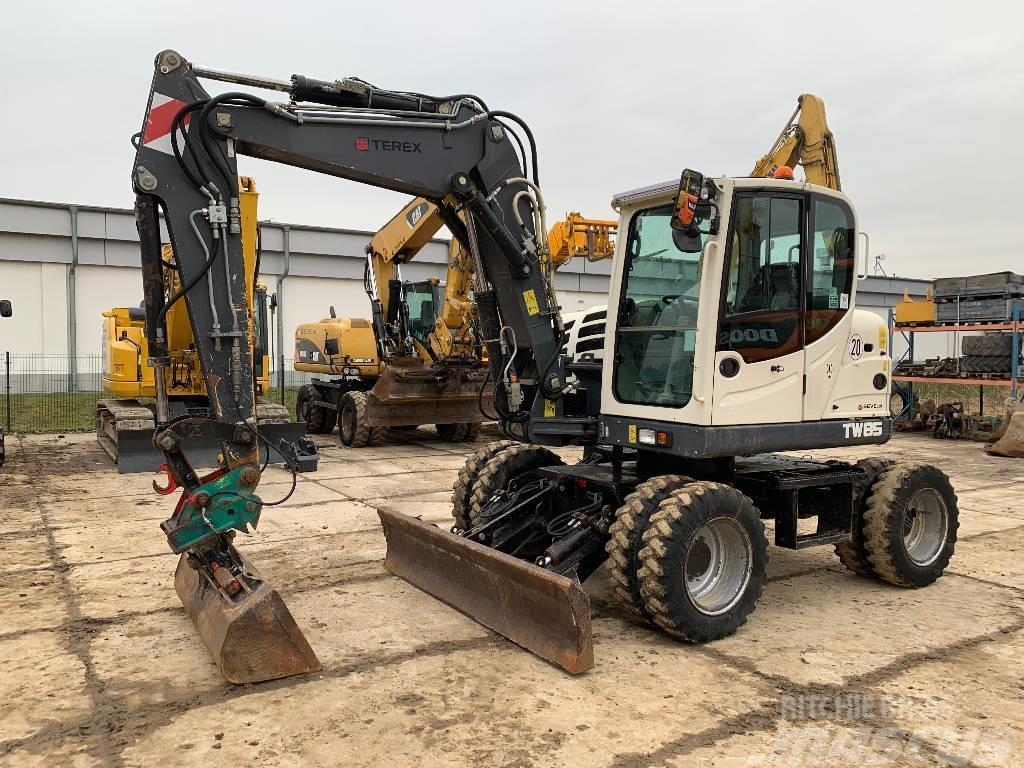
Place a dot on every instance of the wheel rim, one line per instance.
(925, 524)
(348, 422)
(718, 566)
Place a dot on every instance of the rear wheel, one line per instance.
(355, 432)
(319, 420)
(469, 475)
(624, 546)
(517, 463)
(910, 524)
(704, 562)
(852, 553)
(458, 433)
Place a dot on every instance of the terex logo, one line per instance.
(853, 429)
(363, 144)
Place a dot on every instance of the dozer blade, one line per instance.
(543, 612)
(251, 639)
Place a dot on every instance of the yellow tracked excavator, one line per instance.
(124, 423)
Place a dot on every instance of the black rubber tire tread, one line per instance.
(883, 524)
(462, 491)
(458, 433)
(319, 420)
(987, 345)
(624, 546)
(363, 435)
(506, 467)
(666, 541)
(852, 553)
(446, 431)
(985, 364)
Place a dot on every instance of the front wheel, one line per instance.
(704, 562)
(355, 432)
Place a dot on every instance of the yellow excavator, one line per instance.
(806, 141)
(377, 367)
(124, 424)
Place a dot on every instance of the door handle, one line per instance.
(777, 369)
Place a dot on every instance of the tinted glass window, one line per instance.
(828, 296)
(657, 326)
(761, 316)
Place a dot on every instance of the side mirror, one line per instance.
(273, 302)
(694, 206)
(333, 313)
(5, 308)
(331, 347)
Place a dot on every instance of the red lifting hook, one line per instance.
(171, 486)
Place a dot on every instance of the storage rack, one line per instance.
(908, 332)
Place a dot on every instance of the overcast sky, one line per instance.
(926, 99)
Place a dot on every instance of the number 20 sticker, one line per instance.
(856, 347)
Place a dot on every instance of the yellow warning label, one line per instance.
(883, 338)
(632, 433)
(549, 409)
(530, 297)
(885, 365)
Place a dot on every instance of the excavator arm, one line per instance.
(806, 140)
(451, 151)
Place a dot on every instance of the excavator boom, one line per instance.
(807, 141)
(449, 150)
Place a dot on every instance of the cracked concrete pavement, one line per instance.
(99, 665)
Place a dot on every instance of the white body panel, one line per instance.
(839, 381)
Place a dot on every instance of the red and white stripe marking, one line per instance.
(157, 134)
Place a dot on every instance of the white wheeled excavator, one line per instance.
(734, 334)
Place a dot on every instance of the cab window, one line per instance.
(762, 291)
(657, 326)
(831, 273)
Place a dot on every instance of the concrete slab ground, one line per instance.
(99, 665)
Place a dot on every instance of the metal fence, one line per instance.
(55, 393)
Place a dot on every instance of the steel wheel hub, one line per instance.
(718, 566)
(925, 526)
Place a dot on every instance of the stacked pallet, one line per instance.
(979, 298)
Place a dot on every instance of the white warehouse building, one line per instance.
(62, 265)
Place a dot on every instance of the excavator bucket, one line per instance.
(544, 612)
(251, 637)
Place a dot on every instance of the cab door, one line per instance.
(829, 297)
(759, 360)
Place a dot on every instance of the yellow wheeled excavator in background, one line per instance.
(416, 361)
(377, 367)
(124, 424)
(806, 141)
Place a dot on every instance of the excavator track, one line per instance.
(124, 430)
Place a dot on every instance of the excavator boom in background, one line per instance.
(807, 141)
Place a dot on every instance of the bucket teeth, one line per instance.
(544, 612)
(251, 636)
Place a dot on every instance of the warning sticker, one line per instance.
(833, 298)
(883, 339)
(530, 297)
(549, 409)
(632, 433)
